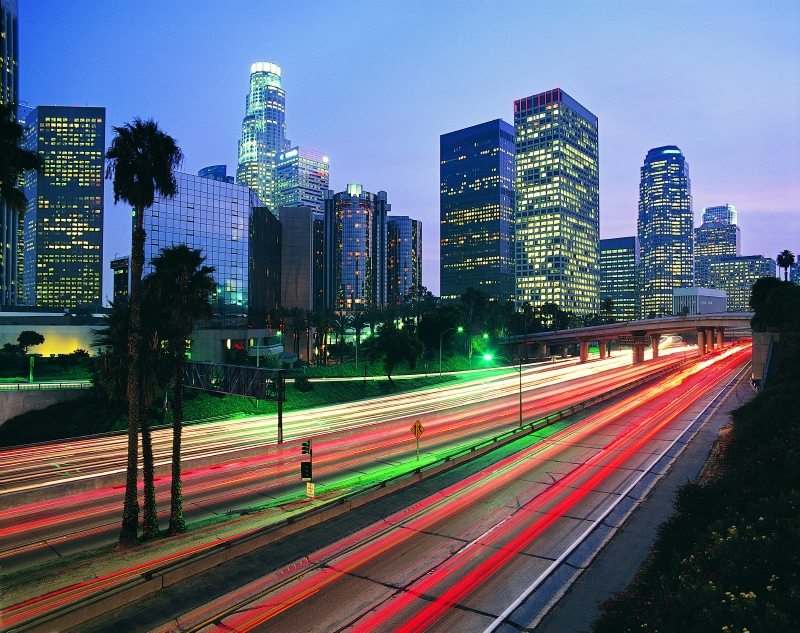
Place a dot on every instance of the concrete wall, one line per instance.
(761, 341)
(14, 403)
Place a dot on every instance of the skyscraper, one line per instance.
(10, 220)
(297, 257)
(237, 236)
(301, 179)
(724, 214)
(713, 240)
(736, 276)
(620, 276)
(63, 236)
(665, 228)
(403, 260)
(263, 132)
(122, 276)
(216, 172)
(355, 249)
(476, 210)
(557, 202)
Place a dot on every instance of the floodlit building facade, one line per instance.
(665, 228)
(713, 240)
(10, 220)
(620, 278)
(301, 179)
(263, 132)
(736, 276)
(476, 211)
(63, 228)
(557, 220)
(696, 300)
(404, 260)
(355, 249)
(237, 235)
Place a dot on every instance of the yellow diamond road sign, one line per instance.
(417, 429)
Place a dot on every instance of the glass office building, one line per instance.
(665, 228)
(216, 172)
(736, 276)
(301, 179)
(724, 214)
(620, 278)
(122, 276)
(355, 249)
(476, 210)
(237, 235)
(403, 260)
(263, 132)
(713, 240)
(63, 236)
(557, 203)
(10, 220)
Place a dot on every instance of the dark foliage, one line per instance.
(303, 384)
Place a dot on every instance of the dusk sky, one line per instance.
(374, 84)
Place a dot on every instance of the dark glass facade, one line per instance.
(319, 260)
(558, 202)
(301, 179)
(263, 132)
(63, 236)
(476, 210)
(620, 276)
(122, 276)
(665, 228)
(354, 249)
(10, 221)
(404, 259)
(216, 172)
(228, 224)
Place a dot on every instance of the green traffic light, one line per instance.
(460, 329)
(487, 357)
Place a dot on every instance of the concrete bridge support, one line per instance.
(603, 349)
(720, 337)
(710, 340)
(542, 351)
(656, 339)
(584, 348)
(564, 351)
(638, 354)
(701, 342)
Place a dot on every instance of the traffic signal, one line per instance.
(307, 447)
(305, 471)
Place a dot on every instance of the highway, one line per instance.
(364, 437)
(457, 559)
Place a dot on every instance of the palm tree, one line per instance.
(298, 320)
(182, 286)
(340, 325)
(373, 315)
(321, 320)
(359, 323)
(14, 161)
(141, 163)
(786, 261)
(527, 316)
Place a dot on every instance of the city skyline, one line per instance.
(649, 105)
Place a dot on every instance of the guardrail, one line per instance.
(233, 547)
(43, 386)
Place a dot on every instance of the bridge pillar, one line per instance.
(564, 351)
(701, 342)
(542, 351)
(603, 349)
(638, 354)
(710, 339)
(584, 348)
(720, 337)
(655, 338)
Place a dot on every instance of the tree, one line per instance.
(141, 163)
(373, 315)
(340, 324)
(607, 308)
(29, 338)
(393, 346)
(298, 320)
(359, 323)
(321, 320)
(785, 261)
(776, 305)
(182, 287)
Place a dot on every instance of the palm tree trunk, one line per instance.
(130, 511)
(150, 518)
(177, 525)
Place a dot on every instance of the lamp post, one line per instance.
(489, 357)
(459, 329)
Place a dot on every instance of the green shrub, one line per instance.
(303, 384)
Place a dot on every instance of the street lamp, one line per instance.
(489, 357)
(459, 329)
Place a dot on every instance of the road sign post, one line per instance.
(417, 431)
(306, 469)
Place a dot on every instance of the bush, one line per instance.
(303, 384)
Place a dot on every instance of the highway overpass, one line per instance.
(710, 330)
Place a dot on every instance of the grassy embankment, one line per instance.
(729, 558)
